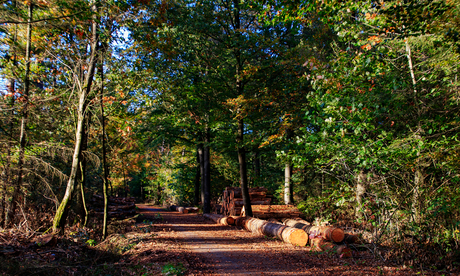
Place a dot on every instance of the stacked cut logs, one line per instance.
(293, 231)
(119, 207)
(232, 199)
(273, 211)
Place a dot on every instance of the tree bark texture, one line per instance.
(196, 198)
(201, 164)
(207, 173)
(243, 169)
(361, 187)
(288, 191)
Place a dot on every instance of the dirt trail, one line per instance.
(225, 250)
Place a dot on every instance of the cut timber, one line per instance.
(273, 211)
(285, 233)
(239, 221)
(319, 244)
(299, 224)
(232, 200)
(182, 210)
(192, 209)
(327, 232)
(220, 219)
(255, 201)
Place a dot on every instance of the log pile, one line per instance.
(285, 233)
(118, 207)
(273, 211)
(328, 233)
(294, 231)
(232, 199)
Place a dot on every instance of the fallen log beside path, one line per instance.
(285, 233)
(329, 233)
(182, 210)
(220, 219)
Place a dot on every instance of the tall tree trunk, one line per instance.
(7, 175)
(288, 189)
(243, 169)
(22, 137)
(197, 179)
(61, 213)
(81, 209)
(240, 131)
(361, 188)
(256, 164)
(105, 170)
(84, 211)
(207, 173)
(201, 163)
(418, 174)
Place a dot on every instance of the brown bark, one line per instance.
(285, 233)
(207, 173)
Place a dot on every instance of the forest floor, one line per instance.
(170, 243)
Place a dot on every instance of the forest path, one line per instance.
(229, 250)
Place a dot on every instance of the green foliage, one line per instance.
(333, 203)
(173, 269)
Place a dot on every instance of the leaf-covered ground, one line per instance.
(170, 243)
